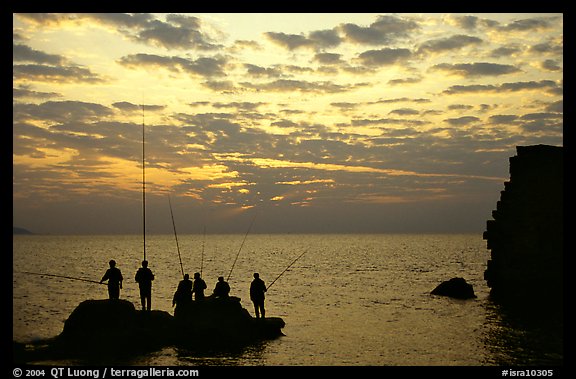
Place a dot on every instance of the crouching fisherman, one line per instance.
(222, 289)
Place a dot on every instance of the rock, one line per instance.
(456, 288)
(115, 327)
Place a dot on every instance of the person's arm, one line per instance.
(105, 276)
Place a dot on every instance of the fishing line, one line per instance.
(286, 269)
(59, 276)
(176, 236)
(244, 240)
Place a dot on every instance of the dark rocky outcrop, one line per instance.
(115, 327)
(457, 288)
(526, 235)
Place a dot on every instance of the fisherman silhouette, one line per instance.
(114, 277)
(257, 289)
(198, 287)
(183, 294)
(144, 277)
(222, 289)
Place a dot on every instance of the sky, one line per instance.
(300, 123)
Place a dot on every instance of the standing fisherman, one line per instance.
(183, 294)
(198, 287)
(114, 277)
(257, 289)
(144, 277)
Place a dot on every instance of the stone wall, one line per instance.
(526, 234)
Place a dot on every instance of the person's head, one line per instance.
(186, 276)
(144, 264)
(112, 263)
(256, 275)
(196, 275)
(220, 278)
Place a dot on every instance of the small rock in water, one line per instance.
(456, 288)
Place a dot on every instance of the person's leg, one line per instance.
(256, 310)
(114, 292)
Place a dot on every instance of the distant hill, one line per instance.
(16, 230)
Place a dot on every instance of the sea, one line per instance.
(349, 300)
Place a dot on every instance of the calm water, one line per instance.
(350, 300)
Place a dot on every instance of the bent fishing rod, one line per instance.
(239, 250)
(176, 236)
(60, 276)
(286, 269)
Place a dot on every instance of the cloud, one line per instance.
(530, 24)
(61, 111)
(325, 38)
(126, 106)
(289, 41)
(345, 106)
(300, 129)
(551, 65)
(387, 121)
(328, 58)
(288, 85)
(549, 85)
(55, 74)
(404, 81)
(442, 45)
(462, 121)
(177, 32)
(49, 19)
(44, 67)
(26, 92)
(503, 119)
(204, 66)
(384, 57)
(23, 53)
(244, 106)
(401, 100)
(385, 30)
(405, 112)
(471, 22)
(460, 107)
(554, 47)
(476, 69)
(259, 71)
(226, 86)
(506, 51)
(557, 107)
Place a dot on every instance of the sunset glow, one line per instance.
(332, 114)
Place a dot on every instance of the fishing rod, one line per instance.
(143, 183)
(244, 240)
(60, 276)
(176, 236)
(202, 256)
(286, 269)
